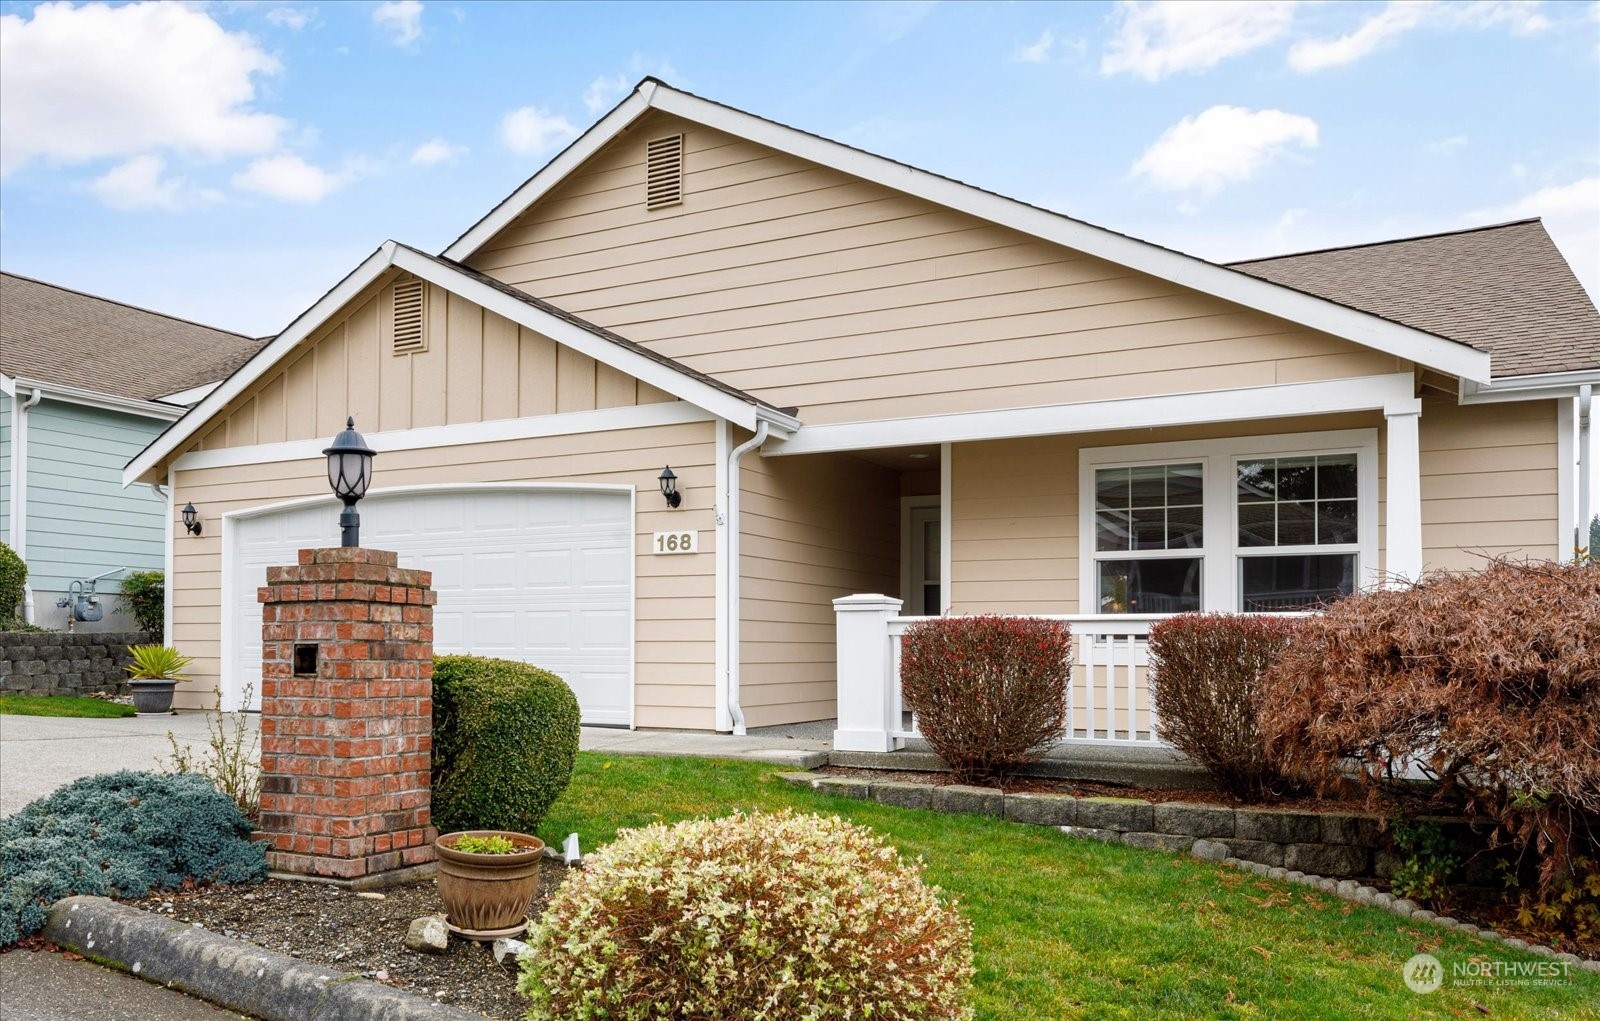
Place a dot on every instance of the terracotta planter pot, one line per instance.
(152, 697)
(486, 896)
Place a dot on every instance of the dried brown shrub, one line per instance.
(989, 692)
(1205, 685)
(1488, 681)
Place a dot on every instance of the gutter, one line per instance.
(731, 538)
(18, 537)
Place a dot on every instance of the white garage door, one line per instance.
(542, 576)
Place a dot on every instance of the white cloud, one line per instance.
(1447, 146)
(603, 93)
(436, 150)
(1521, 16)
(1221, 146)
(1571, 214)
(1038, 51)
(292, 18)
(289, 178)
(530, 131)
(1395, 20)
(140, 183)
(894, 19)
(1154, 40)
(401, 19)
(86, 83)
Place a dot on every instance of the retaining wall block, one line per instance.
(903, 795)
(1194, 820)
(1124, 814)
(1264, 851)
(970, 800)
(1277, 827)
(1361, 830)
(1158, 841)
(1042, 809)
(1329, 859)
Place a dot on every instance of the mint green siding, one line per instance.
(5, 468)
(81, 522)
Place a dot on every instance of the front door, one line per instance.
(923, 596)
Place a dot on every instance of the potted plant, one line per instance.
(154, 672)
(486, 879)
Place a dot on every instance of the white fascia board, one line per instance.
(552, 173)
(95, 399)
(1207, 277)
(657, 374)
(310, 320)
(1535, 387)
(1363, 393)
(187, 398)
(568, 424)
(8, 386)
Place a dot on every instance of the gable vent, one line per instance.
(408, 316)
(663, 172)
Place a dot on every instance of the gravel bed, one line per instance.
(360, 933)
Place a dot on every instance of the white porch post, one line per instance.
(1403, 518)
(866, 673)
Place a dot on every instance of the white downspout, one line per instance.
(731, 501)
(18, 539)
(1585, 466)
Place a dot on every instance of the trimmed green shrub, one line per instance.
(145, 593)
(989, 693)
(505, 738)
(780, 917)
(120, 835)
(1205, 687)
(13, 576)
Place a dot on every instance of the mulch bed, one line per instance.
(364, 935)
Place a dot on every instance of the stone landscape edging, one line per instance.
(1047, 809)
(229, 972)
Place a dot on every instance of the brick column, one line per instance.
(346, 714)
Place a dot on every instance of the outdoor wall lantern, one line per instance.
(191, 519)
(349, 473)
(669, 487)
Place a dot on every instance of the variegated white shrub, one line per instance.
(779, 917)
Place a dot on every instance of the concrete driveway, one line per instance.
(41, 753)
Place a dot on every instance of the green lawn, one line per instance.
(1067, 929)
(62, 705)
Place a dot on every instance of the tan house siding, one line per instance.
(811, 288)
(1490, 482)
(812, 529)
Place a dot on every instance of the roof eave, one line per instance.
(1532, 387)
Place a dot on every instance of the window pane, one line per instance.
(1149, 529)
(1111, 487)
(1336, 477)
(1297, 524)
(1295, 582)
(1257, 481)
(1183, 485)
(1297, 478)
(1256, 525)
(1184, 528)
(1111, 531)
(1336, 522)
(1148, 485)
(1150, 586)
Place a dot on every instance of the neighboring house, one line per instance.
(868, 378)
(85, 384)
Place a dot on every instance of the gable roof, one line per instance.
(561, 326)
(1306, 308)
(57, 335)
(1504, 288)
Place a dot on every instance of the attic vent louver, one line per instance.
(663, 172)
(408, 317)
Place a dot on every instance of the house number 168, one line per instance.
(677, 542)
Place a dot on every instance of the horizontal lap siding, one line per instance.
(1490, 482)
(675, 596)
(813, 528)
(814, 289)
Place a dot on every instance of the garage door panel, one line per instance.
(544, 577)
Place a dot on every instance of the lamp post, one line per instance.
(349, 473)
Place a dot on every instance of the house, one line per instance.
(85, 384)
(867, 378)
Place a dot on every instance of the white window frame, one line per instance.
(1220, 571)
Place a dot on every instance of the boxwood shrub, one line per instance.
(121, 835)
(505, 738)
(13, 576)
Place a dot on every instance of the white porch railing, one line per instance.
(1108, 697)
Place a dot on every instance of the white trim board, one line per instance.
(95, 399)
(1364, 393)
(392, 255)
(1243, 289)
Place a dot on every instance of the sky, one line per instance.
(228, 162)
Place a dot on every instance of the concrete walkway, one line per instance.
(37, 986)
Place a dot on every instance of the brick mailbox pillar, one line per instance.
(346, 714)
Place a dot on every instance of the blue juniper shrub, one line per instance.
(119, 834)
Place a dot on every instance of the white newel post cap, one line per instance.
(867, 603)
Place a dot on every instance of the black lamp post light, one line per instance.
(349, 473)
(191, 519)
(669, 487)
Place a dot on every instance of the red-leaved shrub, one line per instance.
(989, 692)
(1205, 686)
(1489, 681)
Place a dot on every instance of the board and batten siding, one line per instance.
(813, 289)
(81, 521)
(812, 529)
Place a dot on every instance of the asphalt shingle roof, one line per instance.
(57, 335)
(1504, 289)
